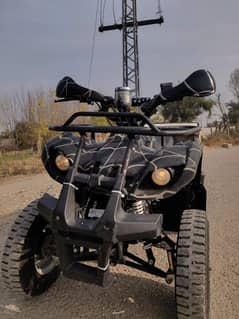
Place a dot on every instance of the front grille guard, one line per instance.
(130, 126)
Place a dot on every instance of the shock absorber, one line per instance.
(136, 207)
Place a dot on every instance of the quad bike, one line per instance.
(137, 187)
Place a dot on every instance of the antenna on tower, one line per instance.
(129, 27)
(159, 11)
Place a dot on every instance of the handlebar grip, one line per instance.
(68, 88)
(200, 83)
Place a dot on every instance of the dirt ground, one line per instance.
(135, 294)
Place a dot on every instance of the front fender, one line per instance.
(191, 155)
(46, 206)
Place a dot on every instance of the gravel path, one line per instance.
(135, 294)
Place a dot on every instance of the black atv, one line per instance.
(141, 185)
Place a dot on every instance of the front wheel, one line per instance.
(192, 266)
(29, 261)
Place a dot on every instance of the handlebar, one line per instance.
(68, 89)
(200, 83)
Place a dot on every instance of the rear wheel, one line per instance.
(29, 262)
(192, 266)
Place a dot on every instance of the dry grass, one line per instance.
(20, 162)
(221, 138)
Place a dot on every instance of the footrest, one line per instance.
(138, 227)
(46, 206)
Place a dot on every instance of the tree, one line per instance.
(224, 123)
(233, 106)
(233, 112)
(24, 134)
(234, 83)
(6, 134)
(27, 115)
(186, 110)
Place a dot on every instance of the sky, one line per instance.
(42, 41)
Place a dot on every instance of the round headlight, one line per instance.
(62, 162)
(161, 176)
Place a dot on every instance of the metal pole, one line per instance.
(130, 46)
(129, 27)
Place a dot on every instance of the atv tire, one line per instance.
(192, 287)
(28, 238)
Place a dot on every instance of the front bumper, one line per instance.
(115, 226)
